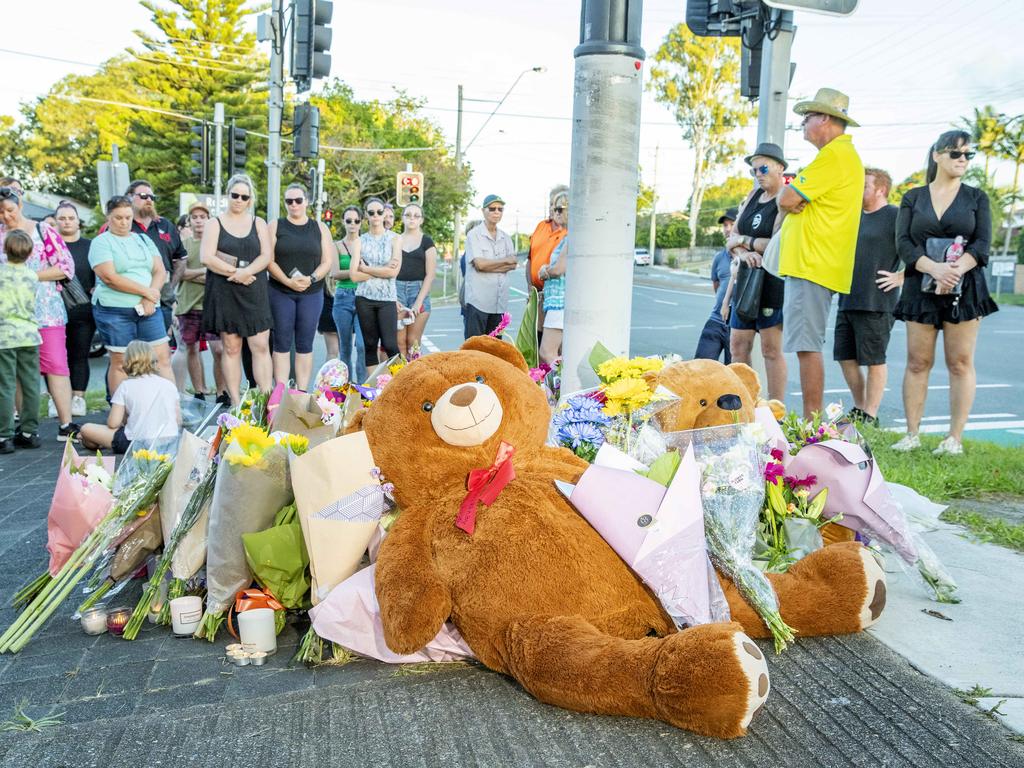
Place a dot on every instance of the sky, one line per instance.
(911, 69)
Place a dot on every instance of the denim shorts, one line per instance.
(119, 326)
(408, 290)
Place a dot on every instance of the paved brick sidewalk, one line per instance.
(163, 701)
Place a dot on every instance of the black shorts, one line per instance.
(326, 322)
(863, 336)
(120, 442)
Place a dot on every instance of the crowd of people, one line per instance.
(790, 247)
(161, 294)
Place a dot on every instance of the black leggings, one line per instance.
(80, 331)
(378, 321)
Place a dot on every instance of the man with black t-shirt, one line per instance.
(164, 234)
(865, 316)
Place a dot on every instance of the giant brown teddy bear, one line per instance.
(533, 589)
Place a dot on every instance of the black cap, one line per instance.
(730, 215)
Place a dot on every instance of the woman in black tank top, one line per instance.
(236, 251)
(303, 255)
(759, 219)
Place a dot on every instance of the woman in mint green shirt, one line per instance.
(126, 302)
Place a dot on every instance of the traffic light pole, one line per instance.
(275, 110)
(602, 185)
(218, 154)
(775, 77)
(457, 224)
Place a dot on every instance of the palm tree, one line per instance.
(1011, 147)
(987, 128)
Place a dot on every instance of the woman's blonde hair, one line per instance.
(243, 178)
(139, 359)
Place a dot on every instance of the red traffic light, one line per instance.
(328, 215)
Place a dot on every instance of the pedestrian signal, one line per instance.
(409, 188)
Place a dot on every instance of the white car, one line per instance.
(641, 257)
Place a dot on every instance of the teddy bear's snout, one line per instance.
(467, 415)
(730, 402)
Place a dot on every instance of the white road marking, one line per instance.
(973, 416)
(431, 346)
(670, 290)
(661, 301)
(661, 327)
(516, 290)
(844, 391)
(932, 429)
(1007, 331)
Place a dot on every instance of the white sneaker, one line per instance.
(78, 407)
(907, 443)
(51, 411)
(950, 446)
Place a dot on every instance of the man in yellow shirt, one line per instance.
(819, 236)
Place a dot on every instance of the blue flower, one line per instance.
(575, 434)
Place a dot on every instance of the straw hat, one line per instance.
(828, 101)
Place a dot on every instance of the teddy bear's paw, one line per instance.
(874, 599)
(711, 679)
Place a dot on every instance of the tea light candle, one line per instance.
(94, 620)
(116, 619)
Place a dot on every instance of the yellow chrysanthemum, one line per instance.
(396, 367)
(298, 444)
(250, 439)
(618, 368)
(626, 395)
(243, 459)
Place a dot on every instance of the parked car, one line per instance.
(642, 257)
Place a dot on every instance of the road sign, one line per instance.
(1003, 268)
(830, 7)
(409, 188)
(113, 179)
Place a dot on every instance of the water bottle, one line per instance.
(955, 250)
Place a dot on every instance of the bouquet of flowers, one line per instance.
(579, 425)
(731, 461)
(790, 517)
(251, 486)
(137, 483)
(819, 428)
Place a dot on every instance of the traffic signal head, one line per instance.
(200, 143)
(409, 188)
(237, 151)
(306, 128)
(311, 41)
(328, 215)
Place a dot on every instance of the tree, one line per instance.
(916, 179)
(698, 77)
(1010, 146)
(718, 198)
(353, 176)
(987, 128)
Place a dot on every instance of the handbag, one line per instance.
(935, 249)
(748, 303)
(73, 293)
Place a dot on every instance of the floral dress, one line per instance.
(49, 250)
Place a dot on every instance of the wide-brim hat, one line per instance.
(767, 149)
(828, 101)
(729, 215)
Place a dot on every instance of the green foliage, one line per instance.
(673, 231)
(916, 179)
(987, 529)
(718, 198)
(984, 467)
(698, 78)
(351, 177)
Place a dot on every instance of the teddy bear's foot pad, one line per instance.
(711, 679)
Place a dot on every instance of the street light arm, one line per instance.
(498, 105)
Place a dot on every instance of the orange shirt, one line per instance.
(543, 241)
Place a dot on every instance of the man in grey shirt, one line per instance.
(865, 316)
(490, 256)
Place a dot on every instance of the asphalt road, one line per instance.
(670, 308)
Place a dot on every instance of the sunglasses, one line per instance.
(377, 212)
(6, 193)
(956, 154)
(495, 208)
(759, 169)
(145, 196)
(809, 115)
(352, 221)
(294, 200)
(559, 209)
(240, 196)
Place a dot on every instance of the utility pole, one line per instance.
(218, 154)
(321, 168)
(276, 109)
(457, 223)
(654, 205)
(602, 184)
(776, 72)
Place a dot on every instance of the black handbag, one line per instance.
(73, 293)
(935, 249)
(748, 303)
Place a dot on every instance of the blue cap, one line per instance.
(492, 199)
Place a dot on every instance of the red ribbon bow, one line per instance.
(484, 485)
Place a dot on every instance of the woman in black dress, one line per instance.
(759, 218)
(955, 297)
(236, 251)
(303, 256)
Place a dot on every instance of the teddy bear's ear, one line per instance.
(749, 378)
(498, 348)
(652, 378)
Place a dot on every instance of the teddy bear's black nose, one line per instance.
(463, 396)
(730, 402)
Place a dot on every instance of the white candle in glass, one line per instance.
(256, 629)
